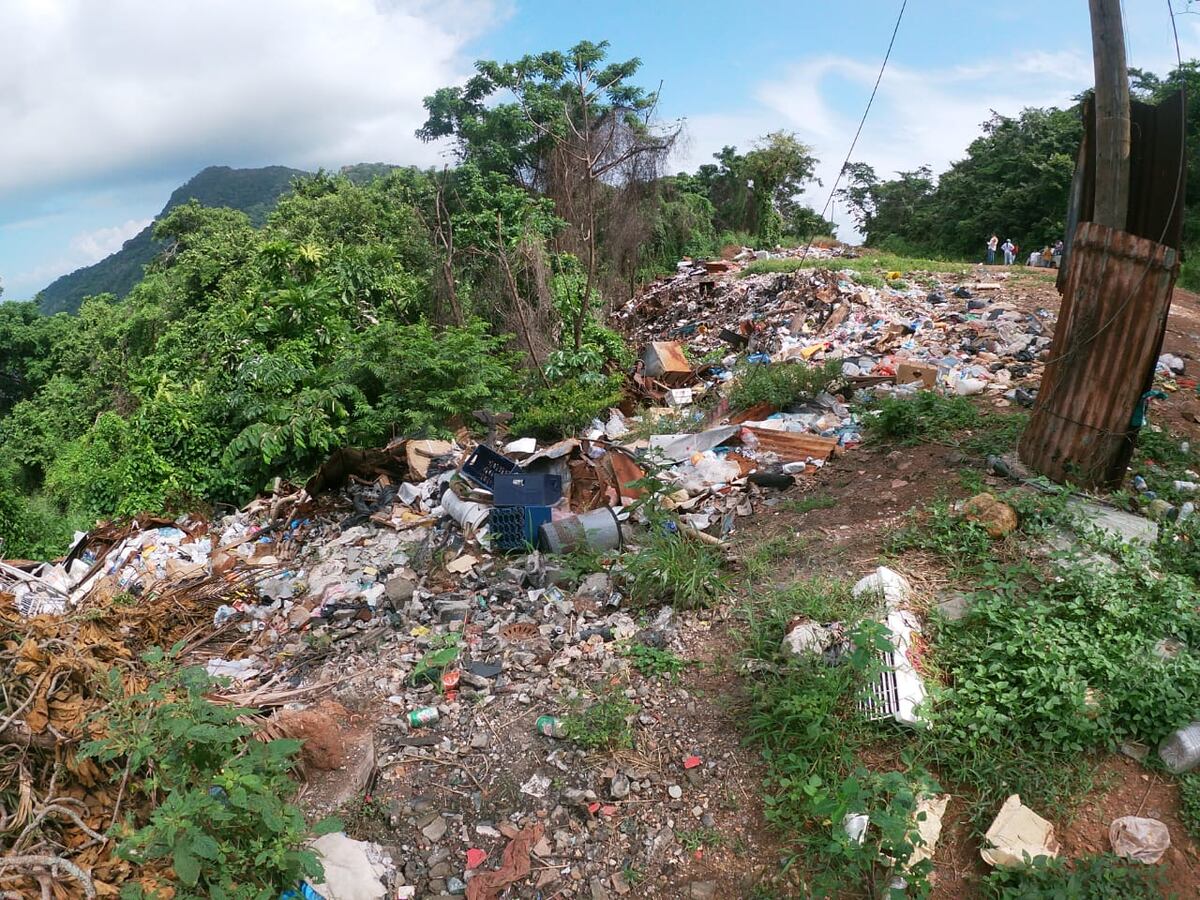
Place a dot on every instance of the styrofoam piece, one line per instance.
(1018, 835)
(890, 585)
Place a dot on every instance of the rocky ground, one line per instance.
(675, 808)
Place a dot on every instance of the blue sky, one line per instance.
(105, 108)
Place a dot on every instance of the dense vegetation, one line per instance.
(376, 302)
(1013, 182)
(253, 191)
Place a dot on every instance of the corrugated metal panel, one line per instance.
(1110, 327)
(1157, 174)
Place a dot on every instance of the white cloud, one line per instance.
(94, 90)
(83, 249)
(920, 116)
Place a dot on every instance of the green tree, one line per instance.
(578, 130)
(758, 192)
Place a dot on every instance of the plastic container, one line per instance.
(467, 514)
(517, 527)
(526, 489)
(1180, 750)
(484, 464)
(596, 530)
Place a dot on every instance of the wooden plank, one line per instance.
(793, 447)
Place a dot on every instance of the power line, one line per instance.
(863, 121)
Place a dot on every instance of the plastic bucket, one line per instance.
(467, 514)
(595, 530)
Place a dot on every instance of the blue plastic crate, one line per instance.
(527, 489)
(484, 464)
(517, 527)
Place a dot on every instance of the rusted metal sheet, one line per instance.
(1110, 328)
(665, 360)
(1157, 175)
(793, 447)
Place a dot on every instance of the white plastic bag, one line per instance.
(1144, 840)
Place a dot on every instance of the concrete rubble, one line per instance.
(384, 585)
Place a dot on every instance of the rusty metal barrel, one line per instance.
(1110, 328)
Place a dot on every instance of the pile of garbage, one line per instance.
(425, 594)
(950, 334)
(409, 583)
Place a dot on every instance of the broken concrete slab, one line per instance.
(954, 606)
(1124, 526)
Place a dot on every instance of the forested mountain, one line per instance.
(253, 191)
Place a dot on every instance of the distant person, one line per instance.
(1010, 251)
(992, 244)
(1058, 252)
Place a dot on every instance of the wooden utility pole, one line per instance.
(1118, 280)
(1112, 114)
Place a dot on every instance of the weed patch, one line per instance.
(1189, 803)
(807, 504)
(671, 568)
(966, 546)
(1100, 877)
(1163, 458)
(604, 723)
(931, 417)
(1178, 547)
(1048, 671)
(758, 561)
(693, 839)
(651, 662)
(781, 384)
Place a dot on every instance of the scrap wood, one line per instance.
(755, 413)
(793, 446)
(391, 460)
(514, 865)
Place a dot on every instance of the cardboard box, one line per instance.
(665, 359)
(908, 372)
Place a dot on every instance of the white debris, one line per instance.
(892, 587)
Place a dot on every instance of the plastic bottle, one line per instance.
(1180, 750)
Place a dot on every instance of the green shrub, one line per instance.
(926, 416)
(221, 811)
(673, 569)
(566, 407)
(781, 384)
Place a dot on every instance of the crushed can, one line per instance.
(450, 681)
(551, 726)
(426, 715)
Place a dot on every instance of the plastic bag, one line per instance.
(1144, 840)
